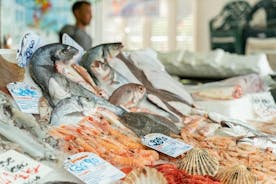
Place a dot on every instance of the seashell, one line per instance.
(199, 162)
(145, 175)
(238, 174)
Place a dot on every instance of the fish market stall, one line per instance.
(112, 116)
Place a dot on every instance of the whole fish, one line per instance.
(143, 124)
(72, 110)
(42, 69)
(55, 86)
(10, 113)
(26, 141)
(128, 95)
(100, 53)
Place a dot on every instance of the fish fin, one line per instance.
(173, 117)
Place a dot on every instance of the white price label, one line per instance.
(67, 40)
(26, 96)
(90, 168)
(30, 42)
(264, 105)
(16, 168)
(165, 144)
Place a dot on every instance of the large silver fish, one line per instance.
(100, 53)
(55, 86)
(72, 110)
(26, 142)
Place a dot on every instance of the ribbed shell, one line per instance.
(145, 175)
(238, 174)
(199, 162)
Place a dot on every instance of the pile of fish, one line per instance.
(108, 100)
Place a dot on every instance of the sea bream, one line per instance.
(128, 95)
(55, 86)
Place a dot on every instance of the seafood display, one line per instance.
(97, 135)
(229, 152)
(108, 102)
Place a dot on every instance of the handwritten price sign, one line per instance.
(16, 168)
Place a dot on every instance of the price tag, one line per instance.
(66, 39)
(165, 144)
(16, 168)
(264, 105)
(90, 168)
(30, 42)
(26, 96)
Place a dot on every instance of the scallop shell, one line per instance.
(238, 174)
(199, 162)
(145, 175)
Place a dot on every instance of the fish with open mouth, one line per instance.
(106, 77)
(100, 53)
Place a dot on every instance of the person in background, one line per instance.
(83, 15)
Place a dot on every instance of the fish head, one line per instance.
(65, 53)
(100, 69)
(114, 49)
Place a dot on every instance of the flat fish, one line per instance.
(143, 124)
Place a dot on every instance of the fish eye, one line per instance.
(64, 51)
